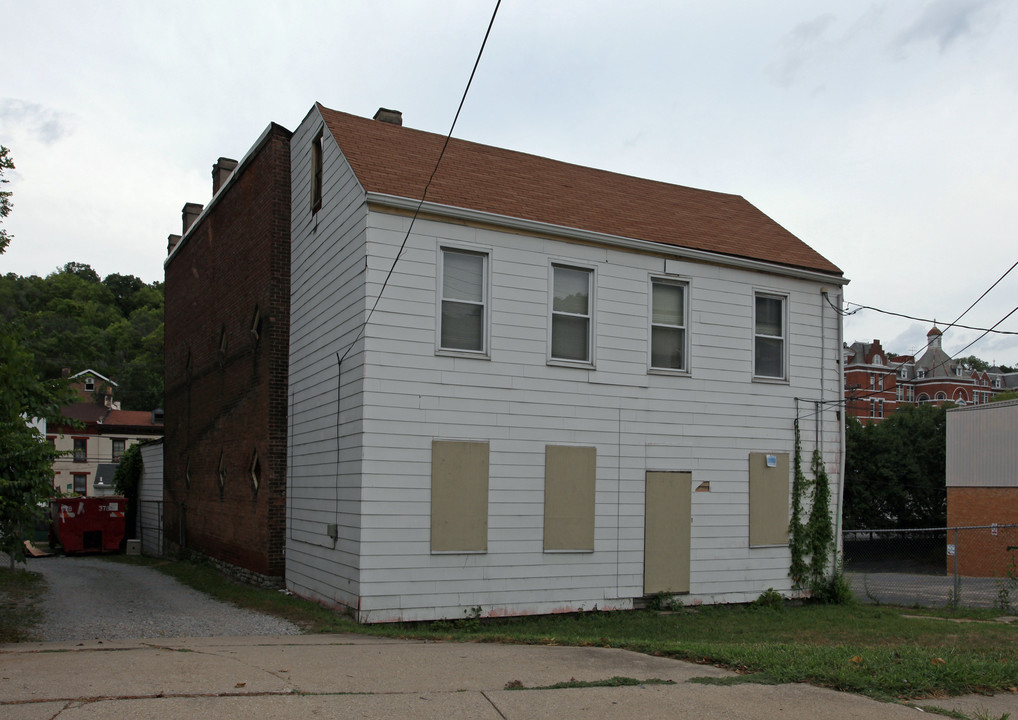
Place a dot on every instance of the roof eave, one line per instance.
(533, 226)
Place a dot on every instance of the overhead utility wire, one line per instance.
(424, 194)
(845, 401)
(859, 306)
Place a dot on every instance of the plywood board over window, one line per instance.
(768, 499)
(570, 478)
(459, 496)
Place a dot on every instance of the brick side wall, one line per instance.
(983, 553)
(224, 405)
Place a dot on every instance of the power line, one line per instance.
(424, 194)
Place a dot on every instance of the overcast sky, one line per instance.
(884, 134)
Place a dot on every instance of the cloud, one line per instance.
(46, 124)
(946, 21)
(799, 45)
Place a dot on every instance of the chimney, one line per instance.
(221, 171)
(171, 242)
(393, 117)
(189, 214)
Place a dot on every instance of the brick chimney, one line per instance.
(171, 242)
(221, 171)
(189, 214)
(393, 117)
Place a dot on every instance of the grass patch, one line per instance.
(881, 651)
(729, 680)
(616, 681)
(20, 592)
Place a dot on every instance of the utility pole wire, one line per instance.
(424, 194)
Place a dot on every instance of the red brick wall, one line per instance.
(231, 404)
(983, 552)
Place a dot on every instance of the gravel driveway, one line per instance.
(89, 598)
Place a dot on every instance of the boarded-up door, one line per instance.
(666, 532)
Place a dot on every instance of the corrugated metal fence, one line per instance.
(973, 566)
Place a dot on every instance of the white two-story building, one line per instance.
(544, 388)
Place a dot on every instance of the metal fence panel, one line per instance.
(150, 527)
(931, 567)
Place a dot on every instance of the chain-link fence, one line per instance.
(931, 567)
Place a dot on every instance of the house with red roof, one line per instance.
(92, 448)
(510, 383)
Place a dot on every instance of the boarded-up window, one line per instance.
(570, 475)
(768, 498)
(459, 496)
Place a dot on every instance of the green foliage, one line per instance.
(74, 320)
(895, 470)
(128, 473)
(973, 362)
(797, 543)
(6, 163)
(811, 542)
(819, 528)
(770, 599)
(834, 589)
(26, 459)
(1006, 395)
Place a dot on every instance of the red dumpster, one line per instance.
(88, 524)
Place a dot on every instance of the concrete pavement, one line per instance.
(365, 677)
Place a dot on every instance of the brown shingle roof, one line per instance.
(396, 160)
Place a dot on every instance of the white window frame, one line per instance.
(485, 255)
(684, 285)
(591, 315)
(783, 297)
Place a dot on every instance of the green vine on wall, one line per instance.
(810, 542)
(797, 538)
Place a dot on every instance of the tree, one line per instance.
(973, 362)
(6, 163)
(26, 459)
(895, 470)
(1006, 395)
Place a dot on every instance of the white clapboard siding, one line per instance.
(365, 466)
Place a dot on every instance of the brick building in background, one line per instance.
(878, 382)
(982, 489)
(227, 342)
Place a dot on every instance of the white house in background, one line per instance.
(575, 388)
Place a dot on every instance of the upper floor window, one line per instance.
(903, 373)
(996, 382)
(119, 445)
(464, 293)
(89, 384)
(920, 373)
(317, 155)
(571, 313)
(80, 450)
(668, 325)
(769, 336)
(941, 396)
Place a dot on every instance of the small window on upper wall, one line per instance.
(668, 325)
(317, 155)
(769, 336)
(464, 301)
(571, 314)
(119, 445)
